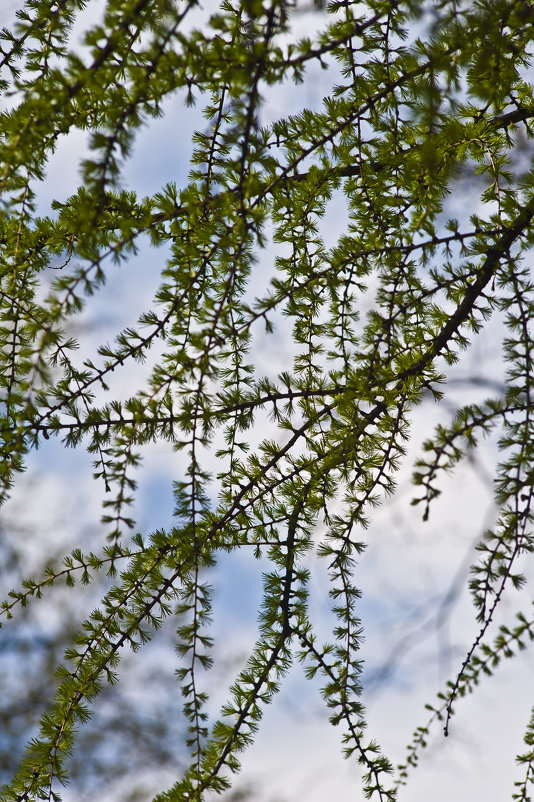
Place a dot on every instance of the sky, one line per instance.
(417, 614)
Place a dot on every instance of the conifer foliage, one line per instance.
(420, 93)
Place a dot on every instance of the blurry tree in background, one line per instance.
(291, 464)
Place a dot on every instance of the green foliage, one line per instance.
(420, 92)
